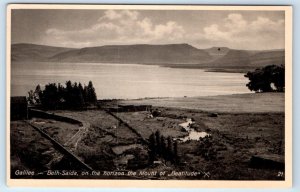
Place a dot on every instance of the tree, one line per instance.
(170, 148)
(49, 97)
(152, 142)
(152, 146)
(176, 149)
(267, 79)
(163, 148)
(80, 88)
(157, 140)
(61, 93)
(77, 97)
(85, 94)
(91, 94)
(68, 94)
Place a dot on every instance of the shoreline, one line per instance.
(153, 98)
(206, 68)
(234, 103)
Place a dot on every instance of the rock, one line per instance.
(156, 113)
(213, 115)
(208, 130)
(270, 161)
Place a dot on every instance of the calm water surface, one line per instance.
(127, 81)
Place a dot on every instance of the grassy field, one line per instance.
(58, 130)
(239, 103)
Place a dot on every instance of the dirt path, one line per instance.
(73, 141)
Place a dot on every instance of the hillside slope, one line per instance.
(32, 52)
(144, 54)
(249, 59)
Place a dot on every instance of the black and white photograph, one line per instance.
(149, 92)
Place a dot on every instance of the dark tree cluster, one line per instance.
(72, 96)
(160, 146)
(267, 79)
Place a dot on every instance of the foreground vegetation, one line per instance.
(109, 145)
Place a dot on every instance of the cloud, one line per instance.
(214, 33)
(131, 27)
(237, 32)
(236, 23)
(118, 27)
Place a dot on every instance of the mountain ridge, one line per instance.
(182, 55)
(138, 53)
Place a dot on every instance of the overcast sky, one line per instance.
(202, 29)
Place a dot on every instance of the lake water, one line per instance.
(127, 81)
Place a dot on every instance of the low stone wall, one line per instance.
(63, 149)
(130, 108)
(46, 115)
(127, 125)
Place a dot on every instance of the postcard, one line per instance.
(149, 96)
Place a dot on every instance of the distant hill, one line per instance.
(144, 54)
(171, 55)
(33, 52)
(250, 59)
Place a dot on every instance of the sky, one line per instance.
(252, 30)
